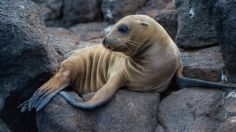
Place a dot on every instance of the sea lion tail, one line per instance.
(185, 82)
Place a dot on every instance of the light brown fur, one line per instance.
(144, 60)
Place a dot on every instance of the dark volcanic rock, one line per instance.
(127, 111)
(161, 4)
(26, 61)
(168, 19)
(196, 110)
(62, 40)
(164, 12)
(195, 23)
(89, 31)
(114, 10)
(50, 9)
(156, 7)
(228, 126)
(225, 12)
(69, 12)
(206, 64)
(3, 127)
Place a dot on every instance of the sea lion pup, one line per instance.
(137, 54)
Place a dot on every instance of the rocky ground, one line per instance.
(30, 51)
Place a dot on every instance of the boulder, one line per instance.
(89, 31)
(114, 10)
(168, 19)
(195, 24)
(66, 13)
(225, 14)
(62, 40)
(3, 127)
(161, 4)
(164, 12)
(127, 111)
(206, 64)
(155, 7)
(196, 109)
(228, 126)
(26, 61)
(50, 9)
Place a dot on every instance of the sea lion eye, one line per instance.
(123, 29)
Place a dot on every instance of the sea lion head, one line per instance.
(131, 35)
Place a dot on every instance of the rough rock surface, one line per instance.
(195, 24)
(196, 109)
(62, 40)
(168, 19)
(206, 64)
(50, 9)
(164, 12)
(127, 111)
(228, 126)
(69, 12)
(225, 12)
(26, 60)
(89, 31)
(3, 127)
(156, 7)
(113, 10)
(161, 4)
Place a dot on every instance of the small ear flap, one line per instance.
(144, 24)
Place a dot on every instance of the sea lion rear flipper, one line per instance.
(185, 82)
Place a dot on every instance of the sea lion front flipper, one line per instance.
(88, 96)
(40, 98)
(71, 97)
(46, 97)
(102, 96)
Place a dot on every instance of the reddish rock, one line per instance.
(127, 111)
(206, 64)
(161, 4)
(114, 10)
(168, 19)
(62, 40)
(228, 126)
(89, 31)
(195, 109)
(66, 13)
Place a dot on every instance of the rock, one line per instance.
(50, 9)
(66, 13)
(193, 109)
(156, 7)
(26, 61)
(127, 111)
(89, 31)
(3, 127)
(225, 14)
(114, 10)
(63, 41)
(161, 4)
(163, 11)
(195, 24)
(228, 126)
(168, 19)
(206, 64)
